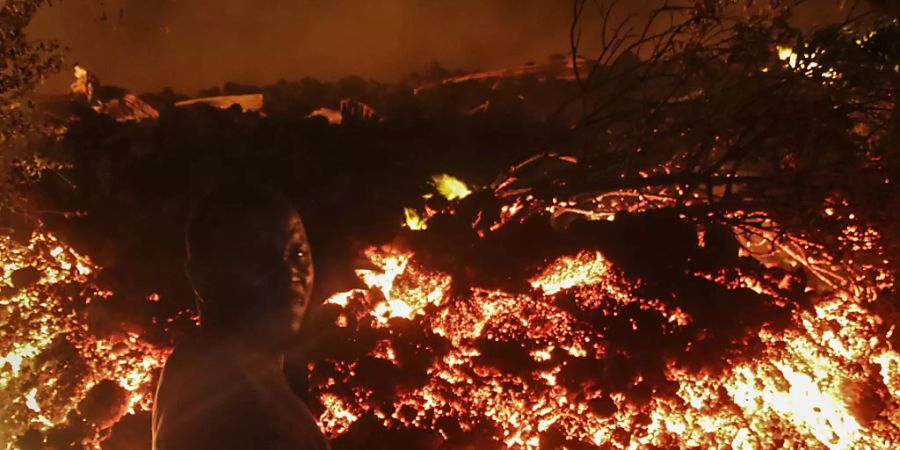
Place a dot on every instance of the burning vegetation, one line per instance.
(704, 260)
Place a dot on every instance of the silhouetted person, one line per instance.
(249, 263)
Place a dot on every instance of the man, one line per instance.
(250, 266)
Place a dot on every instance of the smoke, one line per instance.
(193, 44)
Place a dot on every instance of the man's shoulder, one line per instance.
(217, 396)
(202, 367)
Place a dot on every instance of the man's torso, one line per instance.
(214, 396)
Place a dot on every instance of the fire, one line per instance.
(787, 55)
(581, 354)
(390, 265)
(807, 61)
(338, 416)
(414, 221)
(814, 383)
(450, 187)
(586, 268)
(403, 291)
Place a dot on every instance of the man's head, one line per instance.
(249, 262)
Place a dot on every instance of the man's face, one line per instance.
(298, 261)
(260, 280)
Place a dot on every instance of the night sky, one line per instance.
(188, 45)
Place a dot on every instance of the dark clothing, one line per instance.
(223, 397)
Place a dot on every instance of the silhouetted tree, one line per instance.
(24, 64)
(727, 108)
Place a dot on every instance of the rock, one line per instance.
(131, 432)
(104, 404)
(25, 277)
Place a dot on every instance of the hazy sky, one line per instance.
(192, 44)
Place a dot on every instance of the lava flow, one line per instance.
(57, 372)
(774, 349)
(594, 357)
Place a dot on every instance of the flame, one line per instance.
(82, 84)
(390, 266)
(413, 220)
(787, 55)
(450, 187)
(404, 290)
(586, 268)
(807, 62)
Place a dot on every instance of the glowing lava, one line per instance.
(49, 358)
(827, 379)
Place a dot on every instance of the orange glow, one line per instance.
(798, 392)
(49, 360)
(587, 268)
(807, 384)
(413, 220)
(338, 415)
(403, 289)
(450, 187)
